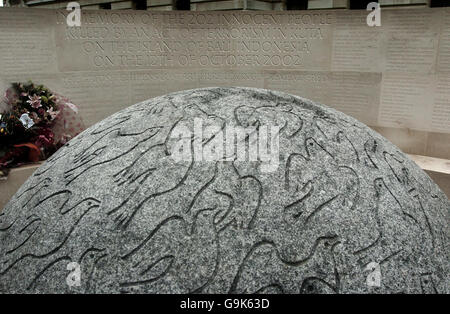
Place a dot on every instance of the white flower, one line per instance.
(26, 121)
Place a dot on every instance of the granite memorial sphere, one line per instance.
(226, 190)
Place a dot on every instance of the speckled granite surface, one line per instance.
(344, 211)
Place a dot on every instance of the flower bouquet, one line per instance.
(34, 123)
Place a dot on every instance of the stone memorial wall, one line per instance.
(395, 78)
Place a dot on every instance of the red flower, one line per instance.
(45, 138)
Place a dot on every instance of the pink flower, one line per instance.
(23, 94)
(53, 114)
(34, 101)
